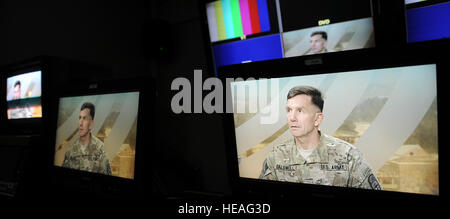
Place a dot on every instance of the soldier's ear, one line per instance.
(91, 124)
(319, 118)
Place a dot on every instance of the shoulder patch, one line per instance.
(373, 182)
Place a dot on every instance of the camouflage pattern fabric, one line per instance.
(333, 162)
(18, 113)
(92, 159)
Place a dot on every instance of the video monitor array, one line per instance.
(374, 128)
(23, 95)
(254, 30)
(97, 133)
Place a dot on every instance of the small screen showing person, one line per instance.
(98, 133)
(370, 129)
(23, 96)
(334, 37)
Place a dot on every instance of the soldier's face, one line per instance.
(302, 115)
(16, 94)
(85, 122)
(318, 44)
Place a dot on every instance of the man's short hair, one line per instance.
(322, 33)
(315, 94)
(91, 107)
(17, 83)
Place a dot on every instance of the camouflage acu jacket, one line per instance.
(333, 162)
(93, 159)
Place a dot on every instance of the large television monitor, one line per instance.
(355, 125)
(96, 137)
(427, 20)
(241, 31)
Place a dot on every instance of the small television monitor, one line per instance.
(23, 95)
(27, 84)
(358, 124)
(241, 31)
(24, 90)
(96, 137)
(427, 20)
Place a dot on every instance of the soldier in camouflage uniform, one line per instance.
(87, 152)
(314, 157)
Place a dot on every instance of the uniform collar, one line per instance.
(320, 152)
(88, 147)
(295, 153)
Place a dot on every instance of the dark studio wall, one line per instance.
(195, 139)
(189, 152)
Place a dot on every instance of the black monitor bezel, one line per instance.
(103, 184)
(415, 54)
